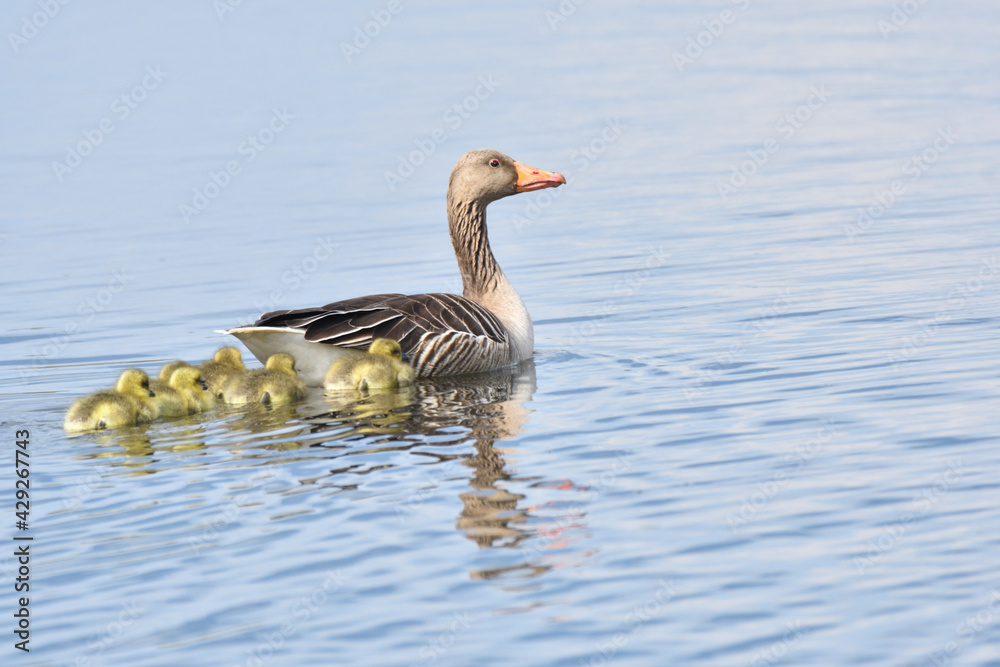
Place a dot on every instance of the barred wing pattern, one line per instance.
(440, 334)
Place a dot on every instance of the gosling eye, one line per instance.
(494, 163)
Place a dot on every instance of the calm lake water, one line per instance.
(761, 423)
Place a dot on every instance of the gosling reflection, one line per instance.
(425, 428)
(136, 450)
(132, 449)
(366, 413)
(449, 411)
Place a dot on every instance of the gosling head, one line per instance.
(187, 376)
(281, 362)
(168, 370)
(230, 356)
(386, 347)
(135, 383)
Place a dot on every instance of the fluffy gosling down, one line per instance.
(168, 401)
(183, 392)
(129, 403)
(168, 369)
(188, 381)
(381, 368)
(219, 371)
(276, 383)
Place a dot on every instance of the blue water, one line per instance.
(760, 426)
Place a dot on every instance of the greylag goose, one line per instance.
(276, 383)
(486, 328)
(125, 405)
(382, 367)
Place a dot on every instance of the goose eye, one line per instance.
(494, 163)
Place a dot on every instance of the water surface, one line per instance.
(760, 426)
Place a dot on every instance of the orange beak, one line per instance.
(529, 178)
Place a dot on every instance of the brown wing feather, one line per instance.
(358, 302)
(437, 332)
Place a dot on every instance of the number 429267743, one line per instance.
(23, 471)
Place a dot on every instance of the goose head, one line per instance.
(486, 175)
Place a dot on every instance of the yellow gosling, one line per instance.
(168, 369)
(183, 394)
(275, 384)
(168, 401)
(381, 368)
(218, 372)
(188, 381)
(126, 405)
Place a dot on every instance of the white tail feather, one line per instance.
(311, 359)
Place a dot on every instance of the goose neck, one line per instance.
(481, 274)
(482, 279)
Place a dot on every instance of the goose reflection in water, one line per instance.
(434, 421)
(484, 409)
